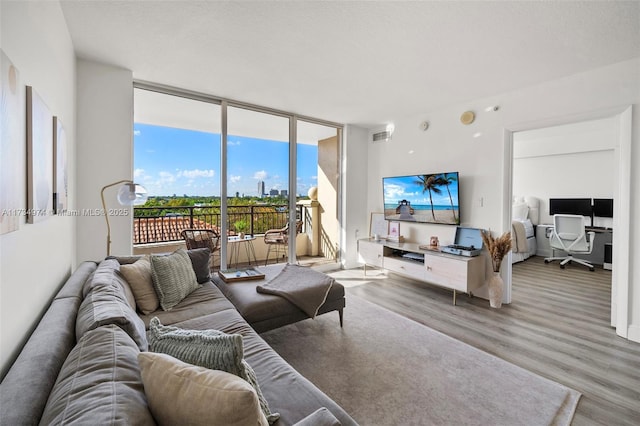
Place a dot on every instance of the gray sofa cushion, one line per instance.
(25, 388)
(107, 304)
(201, 302)
(173, 278)
(99, 383)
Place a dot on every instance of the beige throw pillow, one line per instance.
(181, 393)
(138, 275)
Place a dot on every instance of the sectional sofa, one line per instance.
(82, 363)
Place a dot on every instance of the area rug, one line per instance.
(385, 369)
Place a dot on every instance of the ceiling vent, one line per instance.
(382, 135)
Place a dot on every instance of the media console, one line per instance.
(458, 273)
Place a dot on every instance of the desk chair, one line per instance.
(569, 235)
(279, 239)
(200, 238)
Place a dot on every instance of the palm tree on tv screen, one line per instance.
(430, 183)
(447, 180)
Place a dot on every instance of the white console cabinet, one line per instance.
(459, 273)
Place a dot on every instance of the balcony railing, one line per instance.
(164, 224)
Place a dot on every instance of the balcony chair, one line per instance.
(279, 239)
(200, 238)
(569, 235)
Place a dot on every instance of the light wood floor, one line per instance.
(557, 327)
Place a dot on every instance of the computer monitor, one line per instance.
(578, 206)
(603, 207)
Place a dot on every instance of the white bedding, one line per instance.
(525, 213)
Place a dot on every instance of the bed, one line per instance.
(525, 214)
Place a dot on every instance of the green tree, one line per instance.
(430, 183)
(446, 181)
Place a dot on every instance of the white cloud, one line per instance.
(261, 175)
(136, 133)
(196, 173)
(231, 142)
(235, 179)
(165, 178)
(138, 173)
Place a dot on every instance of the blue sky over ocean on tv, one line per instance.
(411, 189)
(171, 161)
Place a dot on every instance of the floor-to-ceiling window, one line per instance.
(210, 162)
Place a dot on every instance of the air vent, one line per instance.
(381, 136)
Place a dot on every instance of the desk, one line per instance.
(602, 237)
(234, 244)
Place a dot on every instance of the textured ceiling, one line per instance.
(363, 63)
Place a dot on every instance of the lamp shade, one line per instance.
(131, 194)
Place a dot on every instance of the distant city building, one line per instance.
(284, 192)
(261, 192)
(273, 192)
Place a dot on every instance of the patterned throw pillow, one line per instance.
(173, 278)
(207, 348)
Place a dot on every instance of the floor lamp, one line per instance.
(129, 194)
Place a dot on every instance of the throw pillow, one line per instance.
(207, 348)
(181, 393)
(173, 278)
(138, 275)
(200, 262)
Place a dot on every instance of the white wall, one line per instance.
(36, 259)
(569, 161)
(448, 145)
(355, 221)
(105, 155)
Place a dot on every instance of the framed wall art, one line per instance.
(39, 158)
(12, 162)
(60, 179)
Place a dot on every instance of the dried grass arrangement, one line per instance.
(498, 247)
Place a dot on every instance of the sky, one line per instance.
(171, 161)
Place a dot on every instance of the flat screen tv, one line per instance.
(428, 198)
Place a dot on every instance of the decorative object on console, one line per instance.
(129, 194)
(378, 225)
(394, 230)
(434, 242)
(498, 248)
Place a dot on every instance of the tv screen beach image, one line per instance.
(428, 198)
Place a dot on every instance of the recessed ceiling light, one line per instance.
(492, 108)
(477, 134)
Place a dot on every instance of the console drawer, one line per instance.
(405, 267)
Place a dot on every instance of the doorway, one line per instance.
(621, 119)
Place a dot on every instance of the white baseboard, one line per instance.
(633, 333)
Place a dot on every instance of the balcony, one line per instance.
(157, 229)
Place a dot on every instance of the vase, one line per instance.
(496, 287)
(241, 235)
